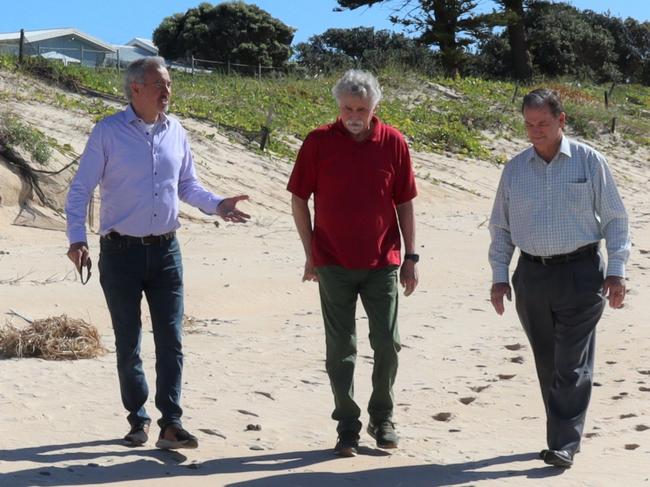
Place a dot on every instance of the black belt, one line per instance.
(577, 254)
(148, 240)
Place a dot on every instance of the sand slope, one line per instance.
(468, 408)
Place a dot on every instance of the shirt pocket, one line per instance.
(579, 195)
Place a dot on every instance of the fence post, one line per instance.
(606, 100)
(514, 95)
(192, 64)
(21, 46)
(118, 60)
(613, 128)
(266, 128)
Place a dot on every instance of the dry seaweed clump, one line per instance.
(54, 338)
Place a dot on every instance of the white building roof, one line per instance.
(144, 44)
(32, 36)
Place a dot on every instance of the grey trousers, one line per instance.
(559, 306)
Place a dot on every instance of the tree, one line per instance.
(336, 49)
(516, 29)
(447, 24)
(235, 31)
(564, 42)
(631, 42)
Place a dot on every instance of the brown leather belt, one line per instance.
(577, 254)
(147, 240)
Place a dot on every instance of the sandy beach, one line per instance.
(469, 411)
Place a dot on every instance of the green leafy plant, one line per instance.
(14, 133)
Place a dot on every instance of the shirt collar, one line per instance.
(564, 149)
(131, 116)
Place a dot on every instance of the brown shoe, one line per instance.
(138, 435)
(173, 437)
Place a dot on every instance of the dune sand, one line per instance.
(468, 407)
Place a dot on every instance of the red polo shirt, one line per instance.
(356, 186)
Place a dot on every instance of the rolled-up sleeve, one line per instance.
(91, 168)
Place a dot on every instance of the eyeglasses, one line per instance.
(88, 266)
(159, 85)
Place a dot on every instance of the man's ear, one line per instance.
(562, 120)
(135, 87)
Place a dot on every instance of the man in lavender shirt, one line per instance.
(141, 159)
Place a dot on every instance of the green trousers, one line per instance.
(339, 289)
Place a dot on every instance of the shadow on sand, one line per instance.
(75, 467)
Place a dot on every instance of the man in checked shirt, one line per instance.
(555, 202)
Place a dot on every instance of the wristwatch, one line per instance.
(414, 257)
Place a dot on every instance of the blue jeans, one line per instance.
(127, 269)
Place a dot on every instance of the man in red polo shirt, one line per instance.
(359, 171)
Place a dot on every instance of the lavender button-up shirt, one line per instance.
(141, 178)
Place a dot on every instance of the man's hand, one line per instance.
(498, 291)
(408, 276)
(310, 273)
(614, 291)
(228, 211)
(78, 253)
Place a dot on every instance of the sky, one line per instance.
(118, 21)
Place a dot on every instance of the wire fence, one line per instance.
(67, 55)
(102, 59)
(227, 67)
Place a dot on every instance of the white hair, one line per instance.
(358, 83)
(136, 70)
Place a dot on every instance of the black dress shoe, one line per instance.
(559, 458)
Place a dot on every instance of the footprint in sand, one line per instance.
(517, 360)
(442, 416)
(247, 413)
(644, 372)
(479, 388)
(631, 446)
(641, 427)
(514, 347)
(506, 376)
(625, 416)
(212, 432)
(467, 400)
(591, 435)
(644, 389)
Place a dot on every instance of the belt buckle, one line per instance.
(146, 241)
